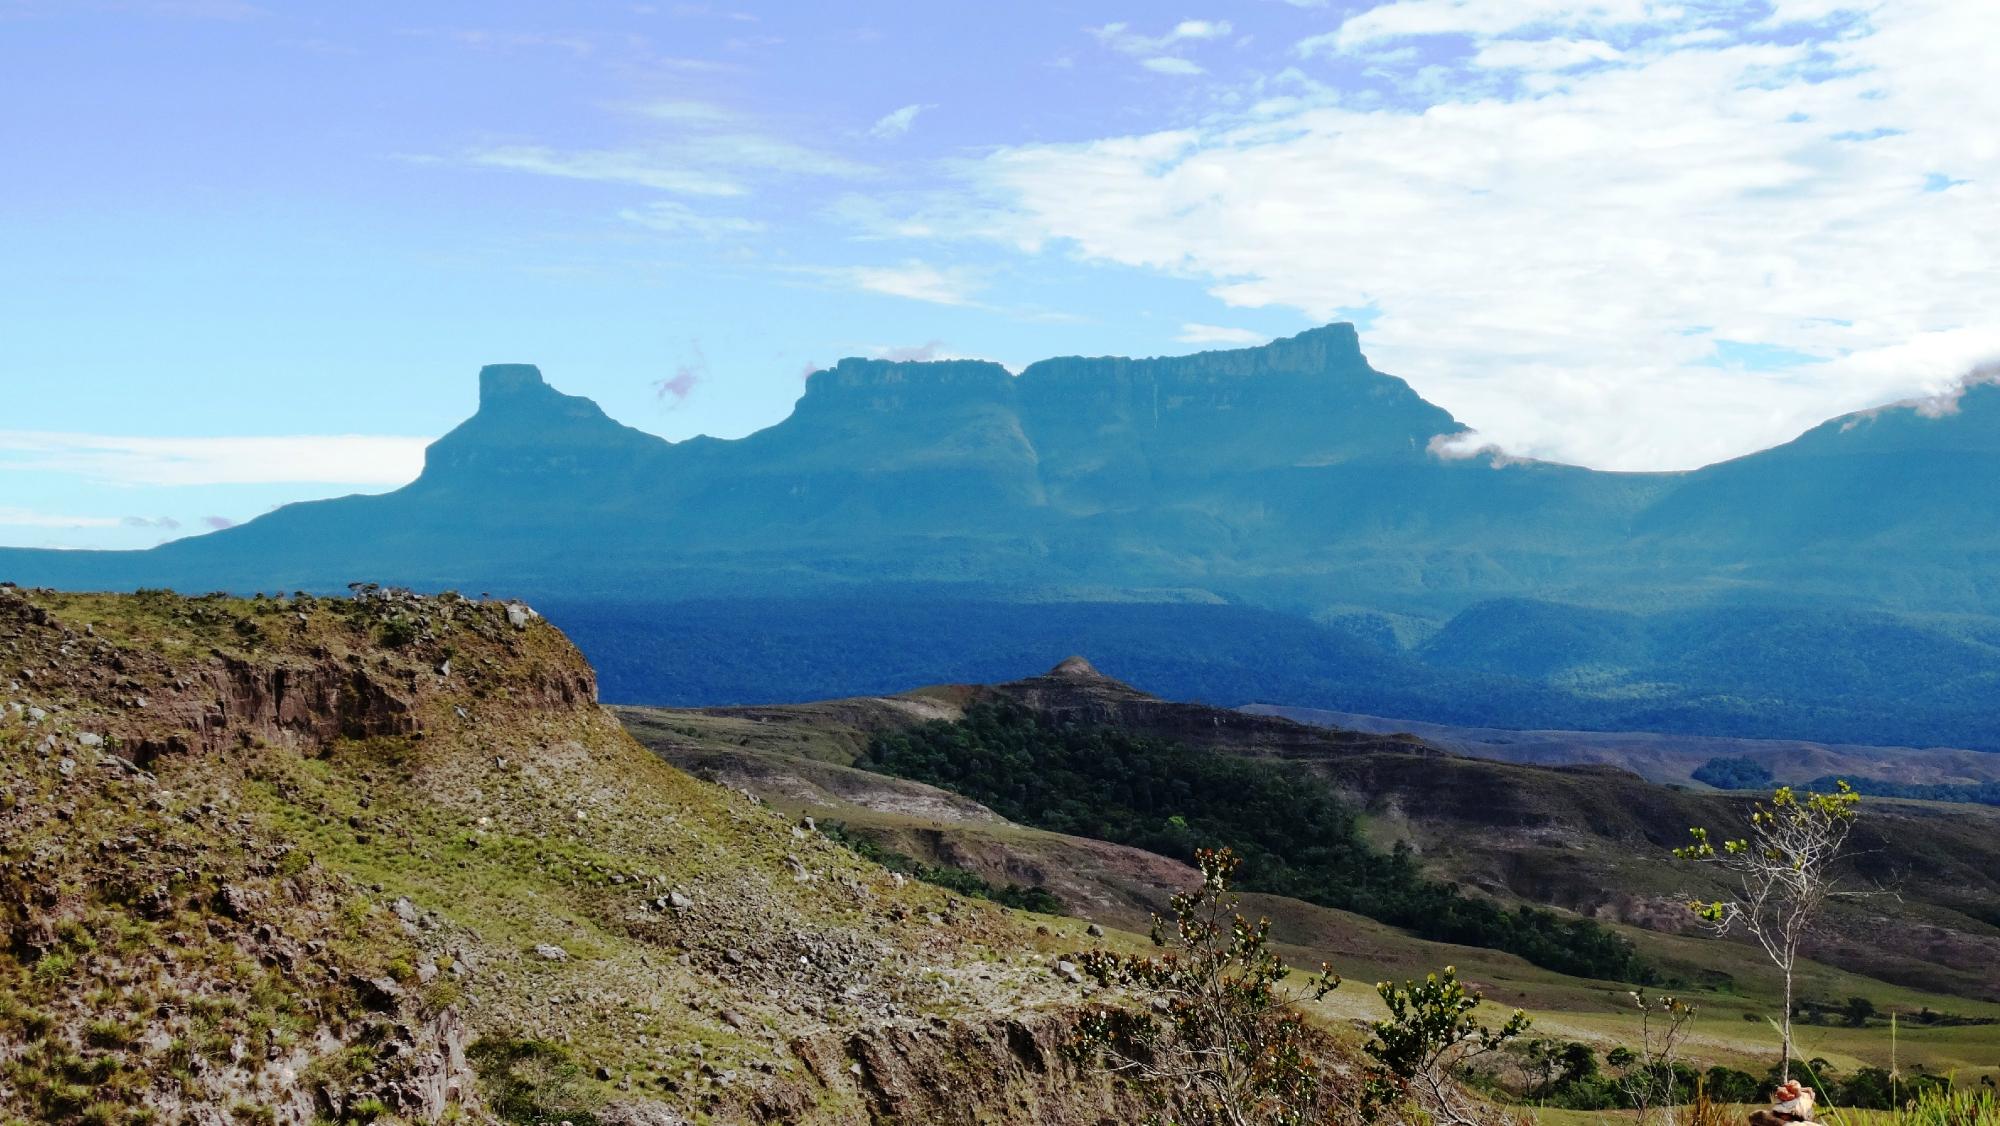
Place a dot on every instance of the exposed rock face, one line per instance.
(211, 701)
(1004, 1068)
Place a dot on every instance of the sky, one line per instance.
(255, 252)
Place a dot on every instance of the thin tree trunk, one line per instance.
(1785, 1067)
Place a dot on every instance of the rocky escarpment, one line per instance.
(301, 670)
(384, 859)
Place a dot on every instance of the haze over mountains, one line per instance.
(1279, 523)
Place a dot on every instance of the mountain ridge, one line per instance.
(1292, 478)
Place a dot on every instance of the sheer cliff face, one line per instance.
(964, 445)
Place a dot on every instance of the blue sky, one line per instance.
(256, 252)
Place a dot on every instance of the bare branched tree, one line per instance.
(1654, 1083)
(1784, 872)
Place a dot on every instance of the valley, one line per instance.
(1586, 841)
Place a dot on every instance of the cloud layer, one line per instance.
(350, 459)
(1615, 232)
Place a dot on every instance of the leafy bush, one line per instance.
(1429, 1035)
(532, 1082)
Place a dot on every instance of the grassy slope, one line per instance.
(203, 934)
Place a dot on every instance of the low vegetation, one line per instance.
(1038, 899)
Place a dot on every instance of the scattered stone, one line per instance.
(1068, 971)
(519, 615)
(733, 1019)
(551, 953)
(236, 902)
(1094, 931)
(381, 994)
(678, 901)
(404, 909)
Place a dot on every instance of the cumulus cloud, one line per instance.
(346, 459)
(896, 123)
(1579, 264)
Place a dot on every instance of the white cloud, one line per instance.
(1544, 54)
(28, 518)
(688, 111)
(918, 281)
(1481, 18)
(345, 459)
(1218, 334)
(676, 218)
(1156, 52)
(613, 166)
(1694, 253)
(928, 352)
(897, 122)
(709, 154)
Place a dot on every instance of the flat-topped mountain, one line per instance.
(1291, 473)
(1291, 477)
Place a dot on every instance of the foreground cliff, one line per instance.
(384, 859)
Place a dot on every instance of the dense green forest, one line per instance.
(1976, 793)
(1295, 836)
(1745, 774)
(1792, 674)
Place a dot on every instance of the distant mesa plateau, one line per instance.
(1268, 525)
